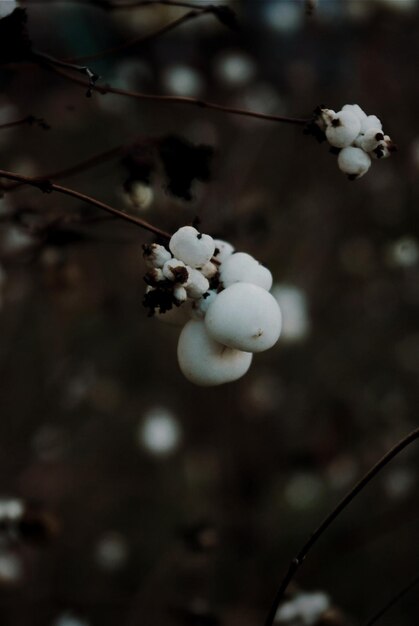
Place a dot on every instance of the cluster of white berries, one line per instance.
(219, 296)
(356, 136)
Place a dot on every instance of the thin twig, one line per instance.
(81, 166)
(203, 104)
(29, 119)
(298, 560)
(400, 594)
(138, 41)
(48, 186)
(107, 5)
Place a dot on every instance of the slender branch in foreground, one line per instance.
(29, 119)
(203, 104)
(138, 41)
(81, 166)
(389, 605)
(298, 560)
(47, 187)
(107, 5)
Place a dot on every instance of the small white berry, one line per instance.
(242, 267)
(244, 316)
(200, 306)
(209, 270)
(180, 294)
(354, 162)
(156, 255)
(197, 284)
(191, 246)
(223, 249)
(176, 270)
(371, 121)
(205, 362)
(343, 129)
(369, 140)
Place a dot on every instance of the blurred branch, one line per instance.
(107, 5)
(82, 166)
(203, 104)
(137, 41)
(47, 187)
(298, 560)
(393, 601)
(29, 119)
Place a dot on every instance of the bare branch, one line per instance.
(203, 104)
(298, 560)
(47, 186)
(399, 595)
(29, 120)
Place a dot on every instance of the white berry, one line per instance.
(244, 316)
(156, 255)
(197, 284)
(223, 249)
(191, 246)
(176, 270)
(354, 162)
(356, 109)
(241, 267)
(205, 362)
(343, 129)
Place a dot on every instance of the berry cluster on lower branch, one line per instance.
(219, 296)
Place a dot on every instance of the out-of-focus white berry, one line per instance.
(156, 255)
(384, 149)
(343, 129)
(7, 7)
(200, 306)
(244, 316)
(140, 196)
(209, 269)
(242, 267)
(304, 608)
(354, 162)
(371, 121)
(191, 246)
(180, 294)
(356, 109)
(223, 249)
(197, 284)
(176, 270)
(205, 362)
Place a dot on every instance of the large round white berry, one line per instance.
(241, 267)
(343, 129)
(244, 316)
(205, 362)
(354, 162)
(191, 246)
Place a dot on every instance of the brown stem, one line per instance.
(48, 186)
(298, 560)
(177, 100)
(107, 5)
(29, 119)
(138, 41)
(82, 166)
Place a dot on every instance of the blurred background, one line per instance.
(127, 495)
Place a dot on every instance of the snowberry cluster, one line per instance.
(355, 136)
(219, 296)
